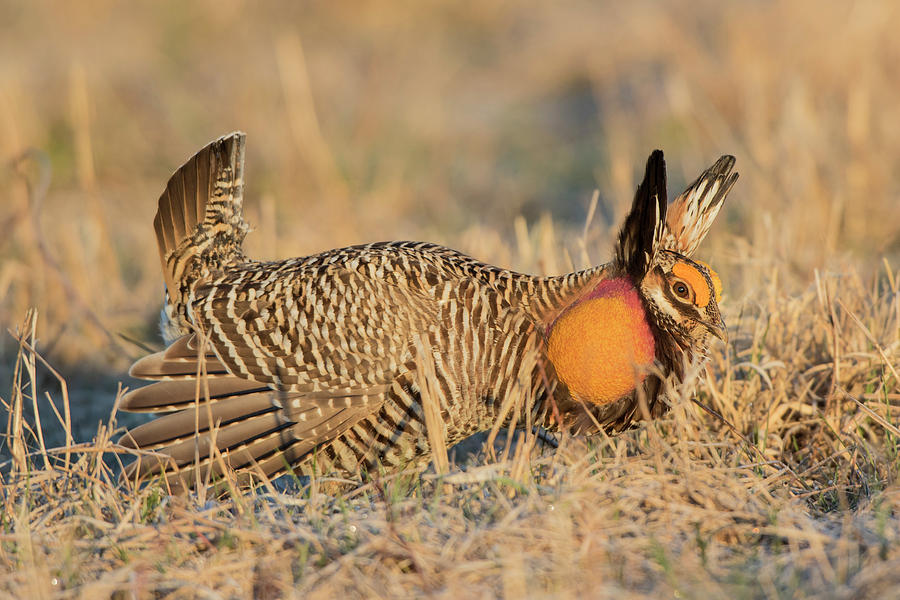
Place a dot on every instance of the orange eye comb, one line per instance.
(717, 283)
(696, 280)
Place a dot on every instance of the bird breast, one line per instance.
(602, 344)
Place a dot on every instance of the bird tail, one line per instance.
(199, 224)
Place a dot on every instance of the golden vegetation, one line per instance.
(468, 125)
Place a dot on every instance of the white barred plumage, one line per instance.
(314, 363)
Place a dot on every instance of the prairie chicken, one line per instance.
(316, 363)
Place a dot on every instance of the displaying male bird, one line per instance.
(316, 364)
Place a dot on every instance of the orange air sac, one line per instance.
(602, 345)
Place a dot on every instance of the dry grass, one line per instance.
(803, 505)
(466, 125)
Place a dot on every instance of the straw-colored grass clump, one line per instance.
(790, 492)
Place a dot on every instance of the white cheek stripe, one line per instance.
(663, 304)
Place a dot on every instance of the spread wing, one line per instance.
(294, 354)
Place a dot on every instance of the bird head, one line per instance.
(681, 295)
(654, 304)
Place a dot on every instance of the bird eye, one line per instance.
(681, 290)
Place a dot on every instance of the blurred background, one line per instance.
(484, 125)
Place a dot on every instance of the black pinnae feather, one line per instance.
(642, 232)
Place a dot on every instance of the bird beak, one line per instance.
(717, 328)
